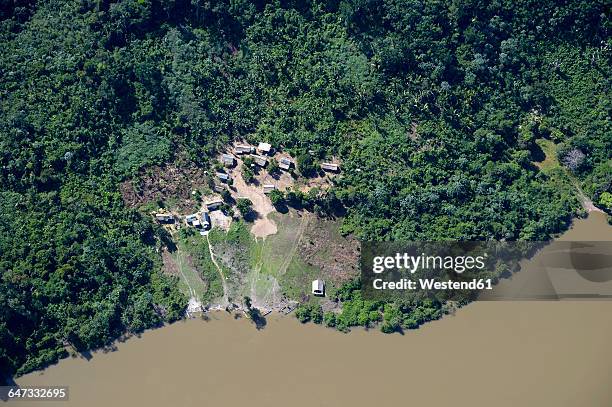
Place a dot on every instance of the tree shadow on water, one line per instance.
(7, 381)
(258, 319)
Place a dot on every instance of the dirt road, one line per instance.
(223, 281)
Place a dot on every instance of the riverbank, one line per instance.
(502, 354)
(487, 353)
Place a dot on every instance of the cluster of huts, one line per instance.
(202, 220)
(260, 156)
(199, 220)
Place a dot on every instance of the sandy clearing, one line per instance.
(322, 183)
(220, 220)
(282, 180)
(586, 202)
(262, 226)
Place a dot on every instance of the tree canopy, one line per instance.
(436, 110)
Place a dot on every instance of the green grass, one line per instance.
(190, 282)
(278, 256)
(205, 280)
(275, 258)
(259, 263)
(296, 281)
(550, 152)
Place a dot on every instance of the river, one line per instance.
(513, 353)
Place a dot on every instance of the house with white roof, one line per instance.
(318, 288)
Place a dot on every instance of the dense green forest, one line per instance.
(438, 111)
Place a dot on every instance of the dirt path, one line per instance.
(179, 263)
(255, 276)
(587, 204)
(294, 246)
(194, 305)
(271, 298)
(223, 281)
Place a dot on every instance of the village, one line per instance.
(246, 173)
(230, 186)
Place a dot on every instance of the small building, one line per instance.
(214, 204)
(206, 224)
(164, 217)
(228, 160)
(285, 164)
(264, 148)
(260, 160)
(218, 188)
(267, 188)
(330, 167)
(243, 149)
(223, 176)
(318, 287)
(191, 219)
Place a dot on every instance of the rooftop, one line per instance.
(243, 148)
(285, 163)
(259, 160)
(228, 158)
(329, 166)
(265, 147)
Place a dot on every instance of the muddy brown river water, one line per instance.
(513, 353)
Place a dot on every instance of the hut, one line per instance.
(164, 217)
(218, 188)
(223, 176)
(330, 167)
(285, 164)
(264, 148)
(318, 287)
(260, 160)
(243, 149)
(206, 224)
(228, 160)
(214, 204)
(267, 188)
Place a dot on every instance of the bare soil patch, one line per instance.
(262, 226)
(170, 183)
(321, 182)
(323, 247)
(281, 180)
(169, 265)
(220, 220)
